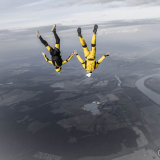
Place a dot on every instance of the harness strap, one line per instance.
(95, 65)
(91, 59)
(85, 64)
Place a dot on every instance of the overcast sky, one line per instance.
(32, 13)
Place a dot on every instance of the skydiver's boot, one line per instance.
(38, 34)
(79, 32)
(95, 28)
(53, 28)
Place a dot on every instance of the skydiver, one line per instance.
(55, 53)
(90, 63)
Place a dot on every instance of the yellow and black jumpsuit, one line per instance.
(63, 62)
(55, 53)
(90, 63)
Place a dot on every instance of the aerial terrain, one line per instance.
(114, 115)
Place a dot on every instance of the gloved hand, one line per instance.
(107, 54)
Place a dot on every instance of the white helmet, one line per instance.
(88, 74)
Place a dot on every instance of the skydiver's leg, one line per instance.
(57, 45)
(93, 46)
(93, 42)
(83, 43)
(43, 41)
(84, 46)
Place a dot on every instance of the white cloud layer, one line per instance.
(28, 13)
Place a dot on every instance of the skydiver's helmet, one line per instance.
(58, 69)
(88, 74)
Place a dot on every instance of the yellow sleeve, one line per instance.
(46, 58)
(101, 59)
(68, 59)
(80, 60)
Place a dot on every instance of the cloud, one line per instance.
(28, 13)
(143, 2)
(123, 2)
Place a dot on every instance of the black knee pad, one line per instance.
(93, 45)
(84, 46)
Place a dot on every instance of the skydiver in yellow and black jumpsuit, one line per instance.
(55, 53)
(90, 63)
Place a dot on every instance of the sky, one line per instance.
(31, 13)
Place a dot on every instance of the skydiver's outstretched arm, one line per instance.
(80, 59)
(69, 58)
(43, 41)
(46, 58)
(101, 59)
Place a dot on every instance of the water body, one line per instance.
(93, 108)
(155, 97)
